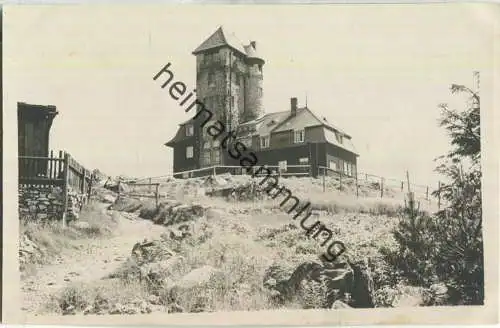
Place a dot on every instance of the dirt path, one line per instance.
(92, 260)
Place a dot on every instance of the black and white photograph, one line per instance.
(250, 164)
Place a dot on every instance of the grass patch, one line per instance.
(96, 297)
(41, 242)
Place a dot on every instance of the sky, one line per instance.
(376, 71)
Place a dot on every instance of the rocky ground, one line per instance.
(219, 245)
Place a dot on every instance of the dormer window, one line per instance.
(299, 136)
(189, 130)
(340, 138)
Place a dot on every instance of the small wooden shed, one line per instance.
(34, 123)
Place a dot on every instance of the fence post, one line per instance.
(439, 194)
(402, 185)
(340, 180)
(65, 187)
(82, 179)
(149, 184)
(324, 183)
(90, 187)
(214, 171)
(427, 193)
(157, 195)
(381, 187)
(357, 187)
(118, 188)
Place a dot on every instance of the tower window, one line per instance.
(211, 78)
(189, 152)
(216, 159)
(206, 158)
(260, 92)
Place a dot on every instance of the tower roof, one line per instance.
(220, 38)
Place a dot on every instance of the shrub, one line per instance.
(448, 246)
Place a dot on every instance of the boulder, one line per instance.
(151, 251)
(312, 283)
(81, 225)
(179, 213)
(330, 279)
(276, 280)
(363, 288)
(197, 286)
(157, 274)
(108, 198)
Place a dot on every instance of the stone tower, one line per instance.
(229, 83)
(253, 91)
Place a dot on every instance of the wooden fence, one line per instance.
(56, 170)
(377, 182)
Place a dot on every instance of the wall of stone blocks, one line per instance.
(46, 203)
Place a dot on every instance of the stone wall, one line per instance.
(46, 203)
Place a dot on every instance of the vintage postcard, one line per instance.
(250, 164)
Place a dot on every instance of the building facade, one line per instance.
(229, 82)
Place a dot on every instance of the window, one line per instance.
(340, 138)
(303, 160)
(260, 92)
(206, 158)
(237, 79)
(232, 101)
(189, 130)
(189, 152)
(332, 165)
(206, 145)
(216, 156)
(211, 78)
(216, 143)
(299, 136)
(264, 142)
(282, 166)
(345, 167)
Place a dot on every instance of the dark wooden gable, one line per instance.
(34, 123)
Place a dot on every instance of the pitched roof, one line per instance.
(265, 124)
(221, 38)
(306, 118)
(346, 142)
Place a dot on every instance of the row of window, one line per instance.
(348, 168)
(298, 137)
(212, 156)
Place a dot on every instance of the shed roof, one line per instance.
(33, 110)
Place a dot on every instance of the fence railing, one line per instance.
(356, 179)
(61, 170)
(42, 170)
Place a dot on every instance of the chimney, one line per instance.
(293, 106)
(253, 44)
